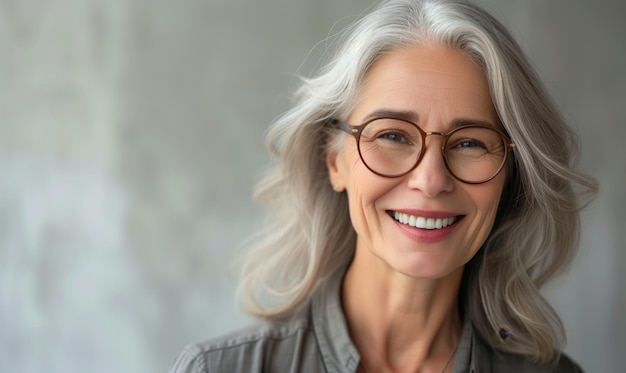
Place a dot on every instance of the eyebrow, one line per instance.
(407, 115)
(412, 116)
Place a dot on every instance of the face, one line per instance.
(437, 87)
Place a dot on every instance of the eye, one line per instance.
(393, 137)
(468, 144)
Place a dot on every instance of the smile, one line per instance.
(423, 222)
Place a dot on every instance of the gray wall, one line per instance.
(131, 136)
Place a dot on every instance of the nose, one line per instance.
(431, 176)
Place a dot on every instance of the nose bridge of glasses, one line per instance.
(438, 149)
(434, 133)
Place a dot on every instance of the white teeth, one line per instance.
(430, 223)
(422, 222)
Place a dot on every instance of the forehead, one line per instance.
(428, 80)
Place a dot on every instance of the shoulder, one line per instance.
(498, 361)
(515, 363)
(264, 346)
(485, 358)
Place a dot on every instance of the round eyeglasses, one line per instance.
(392, 147)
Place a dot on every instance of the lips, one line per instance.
(423, 222)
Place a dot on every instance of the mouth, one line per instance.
(423, 222)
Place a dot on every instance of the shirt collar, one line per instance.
(331, 330)
(469, 354)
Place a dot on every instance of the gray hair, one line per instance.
(536, 231)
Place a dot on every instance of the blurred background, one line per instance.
(131, 135)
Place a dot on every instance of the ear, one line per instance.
(336, 180)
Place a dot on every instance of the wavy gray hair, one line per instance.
(536, 231)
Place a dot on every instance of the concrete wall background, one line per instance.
(131, 134)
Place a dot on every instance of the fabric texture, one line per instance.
(315, 339)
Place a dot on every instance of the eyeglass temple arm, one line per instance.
(348, 128)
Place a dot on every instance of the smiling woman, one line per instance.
(421, 241)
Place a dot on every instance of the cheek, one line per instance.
(352, 170)
(363, 189)
(486, 199)
(490, 203)
(487, 202)
(362, 195)
(494, 195)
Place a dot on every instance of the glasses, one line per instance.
(392, 147)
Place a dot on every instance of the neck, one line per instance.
(398, 322)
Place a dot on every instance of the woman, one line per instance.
(423, 194)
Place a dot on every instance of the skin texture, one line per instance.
(400, 292)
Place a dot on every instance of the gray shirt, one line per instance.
(316, 339)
